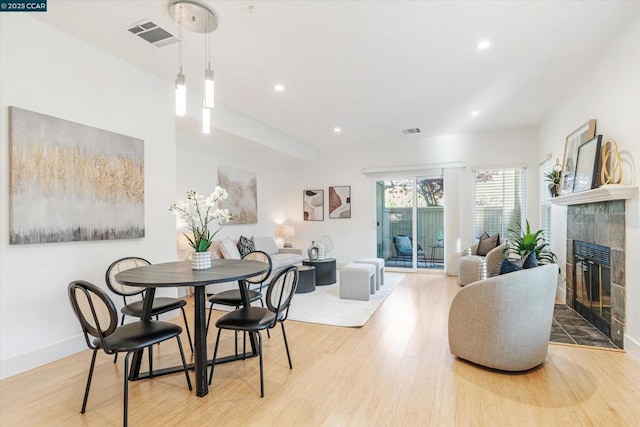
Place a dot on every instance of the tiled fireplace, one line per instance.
(595, 238)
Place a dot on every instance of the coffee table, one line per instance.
(325, 270)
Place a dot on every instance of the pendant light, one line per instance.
(198, 17)
(208, 74)
(181, 88)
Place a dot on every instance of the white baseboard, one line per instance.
(32, 359)
(632, 347)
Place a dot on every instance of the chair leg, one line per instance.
(286, 345)
(186, 327)
(115, 356)
(184, 363)
(259, 336)
(86, 390)
(150, 361)
(262, 304)
(215, 354)
(209, 318)
(126, 389)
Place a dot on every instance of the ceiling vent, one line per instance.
(411, 130)
(152, 33)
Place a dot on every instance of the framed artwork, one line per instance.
(313, 205)
(581, 135)
(72, 182)
(242, 187)
(340, 202)
(587, 165)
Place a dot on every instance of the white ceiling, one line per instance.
(373, 68)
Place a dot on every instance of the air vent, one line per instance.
(152, 33)
(411, 130)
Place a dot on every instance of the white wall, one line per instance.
(54, 74)
(610, 93)
(198, 158)
(356, 237)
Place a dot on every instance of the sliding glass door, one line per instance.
(410, 222)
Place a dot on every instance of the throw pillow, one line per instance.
(229, 249)
(509, 267)
(530, 261)
(266, 244)
(245, 246)
(487, 244)
(527, 261)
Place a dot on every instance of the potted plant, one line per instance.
(553, 177)
(198, 213)
(523, 242)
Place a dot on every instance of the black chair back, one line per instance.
(281, 290)
(95, 311)
(262, 257)
(116, 267)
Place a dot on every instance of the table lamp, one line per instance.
(286, 231)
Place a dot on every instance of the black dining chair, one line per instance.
(232, 297)
(255, 319)
(133, 307)
(99, 321)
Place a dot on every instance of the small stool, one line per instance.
(379, 264)
(357, 281)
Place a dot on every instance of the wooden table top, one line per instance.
(170, 274)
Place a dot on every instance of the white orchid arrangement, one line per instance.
(198, 212)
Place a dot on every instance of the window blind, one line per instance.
(499, 200)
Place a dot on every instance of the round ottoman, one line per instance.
(470, 269)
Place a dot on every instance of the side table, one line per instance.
(325, 270)
(306, 279)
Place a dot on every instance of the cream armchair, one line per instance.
(472, 267)
(504, 322)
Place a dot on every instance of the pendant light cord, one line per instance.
(180, 35)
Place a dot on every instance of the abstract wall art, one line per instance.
(313, 205)
(71, 182)
(242, 187)
(340, 202)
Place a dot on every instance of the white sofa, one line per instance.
(504, 322)
(228, 249)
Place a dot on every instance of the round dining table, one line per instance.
(181, 274)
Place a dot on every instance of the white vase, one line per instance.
(321, 252)
(201, 260)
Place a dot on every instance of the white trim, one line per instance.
(632, 347)
(41, 356)
(417, 170)
(604, 193)
(500, 166)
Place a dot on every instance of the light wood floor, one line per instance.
(396, 370)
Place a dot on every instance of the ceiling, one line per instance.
(372, 68)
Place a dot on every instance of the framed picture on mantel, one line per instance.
(578, 137)
(587, 165)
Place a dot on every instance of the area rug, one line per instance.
(570, 328)
(324, 305)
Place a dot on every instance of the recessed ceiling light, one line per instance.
(337, 129)
(483, 44)
(475, 113)
(278, 87)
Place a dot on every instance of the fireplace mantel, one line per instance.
(602, 194)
